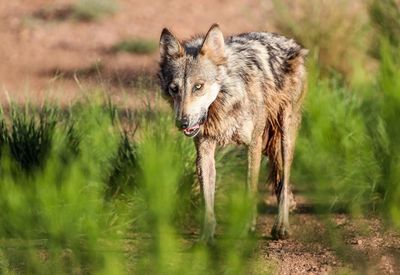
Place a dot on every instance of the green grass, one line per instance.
(136, 46)
(78, 189)
(335, 158)
(347, 151)
(90, 10)
(385, 16)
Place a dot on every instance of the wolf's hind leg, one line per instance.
(290, 124)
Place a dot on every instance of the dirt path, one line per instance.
(334, 244)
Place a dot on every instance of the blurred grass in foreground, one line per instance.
(94, 200)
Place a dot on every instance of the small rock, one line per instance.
(356, 242)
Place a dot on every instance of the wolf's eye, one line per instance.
(197, 87)
(173, 90)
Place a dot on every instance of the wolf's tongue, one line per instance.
(191, 129)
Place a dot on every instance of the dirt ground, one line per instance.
(323, 244)
(54, 57)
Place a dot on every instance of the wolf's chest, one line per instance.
(243, 133)
(233, 130)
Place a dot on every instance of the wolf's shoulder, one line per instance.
(271, 42)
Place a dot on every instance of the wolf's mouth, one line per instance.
(192, 131)
(195, 129)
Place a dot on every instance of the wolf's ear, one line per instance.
(214, 45)
(170, 45)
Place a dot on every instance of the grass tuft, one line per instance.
(29, 137)
(136, 46)
(90, 10)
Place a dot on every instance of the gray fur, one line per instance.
(252, 88)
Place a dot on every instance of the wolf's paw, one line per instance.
(207, 238)
(200, 244)
(252, 230)
(205, 241)
(252, 224)
(280, 232)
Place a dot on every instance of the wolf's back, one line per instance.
(269, 54)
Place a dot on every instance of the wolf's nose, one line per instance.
(182, 123)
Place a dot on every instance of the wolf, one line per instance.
(243, 89)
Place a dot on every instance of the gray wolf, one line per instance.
(244, 89)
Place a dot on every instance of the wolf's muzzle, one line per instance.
(182, 123)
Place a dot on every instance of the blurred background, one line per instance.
(44, 43)
(94, 179)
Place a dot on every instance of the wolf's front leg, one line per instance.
(254, 160)
(205, 165)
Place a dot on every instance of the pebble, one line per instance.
(358, 242)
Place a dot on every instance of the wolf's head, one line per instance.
(190, 76)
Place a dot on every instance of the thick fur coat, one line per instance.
(244, 89)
